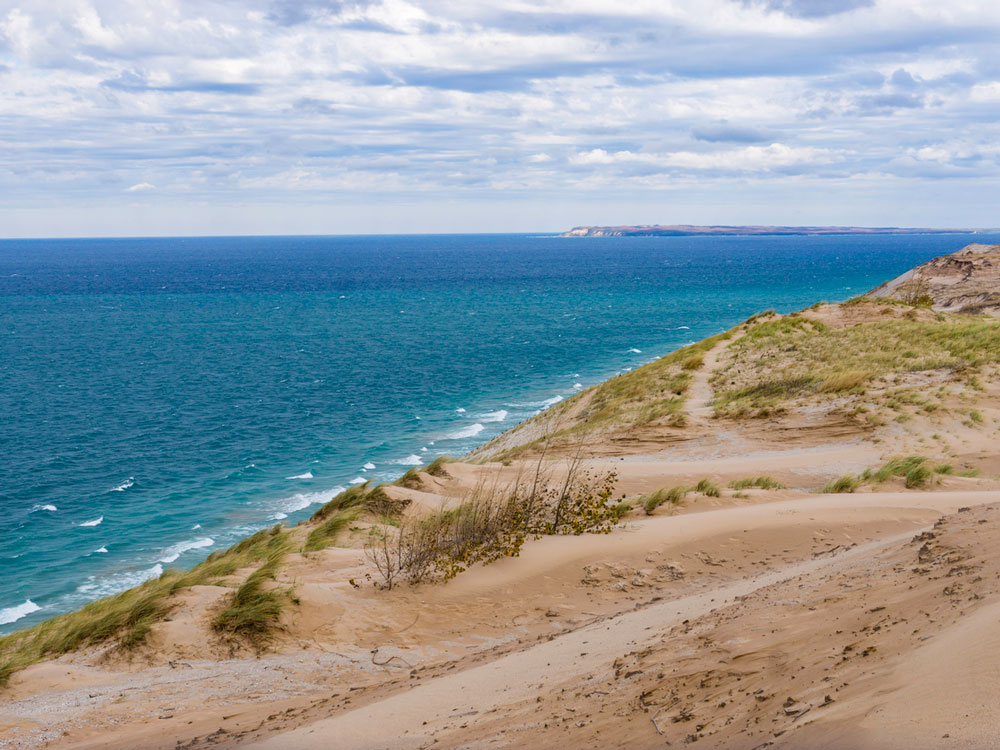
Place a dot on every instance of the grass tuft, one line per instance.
(762, 483)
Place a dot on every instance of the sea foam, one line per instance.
(124, 485)
(307, 475)
(495, 416)
(466, 432)
(96, 588)
(301, 500)
(95, 522)
(412, 460)
(49, 508)
(368, 466)
(172, 553)
(13, 614)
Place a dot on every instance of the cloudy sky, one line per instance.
(319, 116)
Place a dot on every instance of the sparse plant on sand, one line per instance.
(494, 521)
(760, 483)
(672, 496)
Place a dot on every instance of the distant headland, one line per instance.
(685, 230)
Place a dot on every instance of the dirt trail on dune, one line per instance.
(700, 394)
(409, 719)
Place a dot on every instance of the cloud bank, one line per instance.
(433, 115)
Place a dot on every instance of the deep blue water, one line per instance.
(185, 392)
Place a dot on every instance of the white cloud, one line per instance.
(379, 101)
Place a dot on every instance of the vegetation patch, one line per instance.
(760, 483)
(814, 359)
(493, 522)
(125, 620)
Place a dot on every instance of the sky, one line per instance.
(173, 117)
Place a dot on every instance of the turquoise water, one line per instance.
(161, 398)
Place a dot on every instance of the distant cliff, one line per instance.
(683, 230)
(967, 281)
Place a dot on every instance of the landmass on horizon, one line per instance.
(686, 230)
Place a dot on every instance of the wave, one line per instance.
(95, 522)
(302, 500)
(49, 508)
(172, 553)
(368, 466)
(95, 588)
(577, 386)
(412, 460)
(460, 410)
(124, 485)
(278, 516)
(683, 328)
(495, 416)
(307, 475)
(358, 480)
(635, 351)
(466, 432)
(13, 614)
(102, 550)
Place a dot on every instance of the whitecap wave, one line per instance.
(278, 516)
(95, 522)
(683, 328)
(301, 500)
(412, 460)
(124, 485)
(196, 527)
(635, 351)
(495, 416)
(577, 386)
(358, 480)
(466, 432)
(13, 614)
(551, 401)
(172, 553)
(307, 475)
(102, 550)
(114, 584)
(49, 508)
(368, 466)
(460, 410)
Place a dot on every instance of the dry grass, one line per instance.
(125, 620)
(817, 360)
(494, 521)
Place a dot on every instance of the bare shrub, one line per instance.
(493, 521)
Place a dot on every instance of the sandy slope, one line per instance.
(779, 617)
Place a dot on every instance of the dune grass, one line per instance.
(669, 495)
(915, 471)
(761, 483)
(125, 620)
(253, 611)
(815, 359)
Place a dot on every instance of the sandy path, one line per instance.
(411, 718)
(700, 395)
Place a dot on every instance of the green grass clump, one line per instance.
(762, 483)
(324, 534)
(411, 479)
(708, 488)
(126, 619)
(253, 612)
(673, 496)
(436, 467)
(845, 483)
(349, 498)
